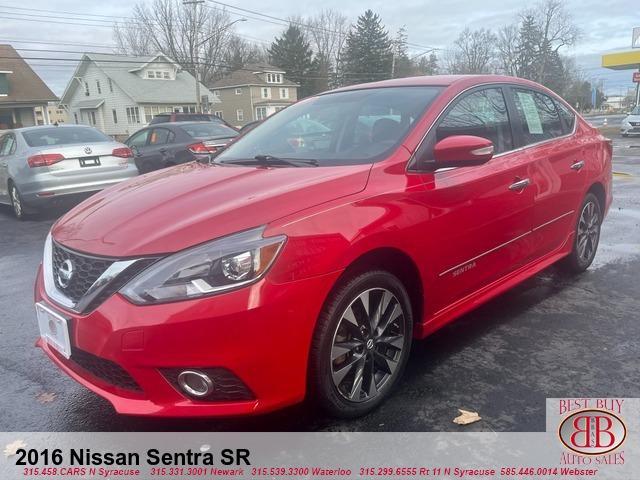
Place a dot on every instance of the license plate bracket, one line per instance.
(89, 161)
(54, 329)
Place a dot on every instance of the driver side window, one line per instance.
(482, 113)
(139, 139)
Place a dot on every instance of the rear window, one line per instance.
(43, 137)
(194, 117)
(208, 130)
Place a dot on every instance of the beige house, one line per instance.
(55, 113)
(252, 93)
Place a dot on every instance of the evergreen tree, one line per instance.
(527, 51)
(368, 53)
(401, 64)
(292, 53)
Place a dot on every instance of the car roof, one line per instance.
(439, 81)
(182, 124)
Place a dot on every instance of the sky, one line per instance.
(32, 26)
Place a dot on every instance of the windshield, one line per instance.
(357, 126)
(635, 111)
(42, 137)
(208, 130)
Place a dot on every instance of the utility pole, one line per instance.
(196, 55)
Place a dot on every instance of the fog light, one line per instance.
(196, 384)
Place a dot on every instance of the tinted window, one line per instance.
(567, 116)
(635, 111)
(538, 116)
(160, 136)
(42, 137)
(208, 130)
(139, 139)
(483, 114)
(349, 127)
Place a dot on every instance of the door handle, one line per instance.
(577, 165)
(519, 185)
(163, 150)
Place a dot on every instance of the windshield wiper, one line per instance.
(268, 160)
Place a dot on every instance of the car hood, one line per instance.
(632, 118)
(175, 208)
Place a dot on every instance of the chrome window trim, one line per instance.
(52, 291)
(412, 158)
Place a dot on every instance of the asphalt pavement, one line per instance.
(553, 336)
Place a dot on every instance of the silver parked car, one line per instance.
(44, 164)
(631, 123)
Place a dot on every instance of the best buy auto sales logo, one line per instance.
(592, 432)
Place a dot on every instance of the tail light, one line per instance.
(122, 152)
(202, 148)
(44, 159)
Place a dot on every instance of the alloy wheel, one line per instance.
(367, 345)
(16, 202)
(588, 232)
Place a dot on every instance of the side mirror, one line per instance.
(462, 151)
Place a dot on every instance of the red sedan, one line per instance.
(304, 260)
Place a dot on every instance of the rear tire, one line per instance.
(586, 237)
(17, 204)
(359, 353)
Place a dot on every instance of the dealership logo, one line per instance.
(87, 150)
(592, 432)
(65, 273)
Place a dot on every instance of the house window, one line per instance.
(238, 91)
(110, 85)
(266, 92)
(133, 115)
(261, 113)
(148, 114)
(216, 94)
(284, 93)
(92, 118)
(165, 75)
(115, 115)
(98, 86)
(218, 113)
(240, 115)
(151, 74)
(86, 89)
(274, 78)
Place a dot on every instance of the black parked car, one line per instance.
(171, 117)
(167, 144)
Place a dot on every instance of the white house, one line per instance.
(120, 94)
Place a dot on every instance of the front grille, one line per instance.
(86, 270)
(226, 386)
(105, 370)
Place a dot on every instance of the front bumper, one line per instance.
(261, 334)
(630, 130)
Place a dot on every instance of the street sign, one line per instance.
(636, 77)
(635, 38)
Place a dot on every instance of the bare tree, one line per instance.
(240, 52)
(473, 52)
(507, 49)
(327, 33)
(557, 30)
(193, 37)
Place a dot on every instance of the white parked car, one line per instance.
(631, 123)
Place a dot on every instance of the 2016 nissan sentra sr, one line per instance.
(304, 260)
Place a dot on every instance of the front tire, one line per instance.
(587, 236)
(361, 345)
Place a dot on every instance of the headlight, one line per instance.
(210, 268)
